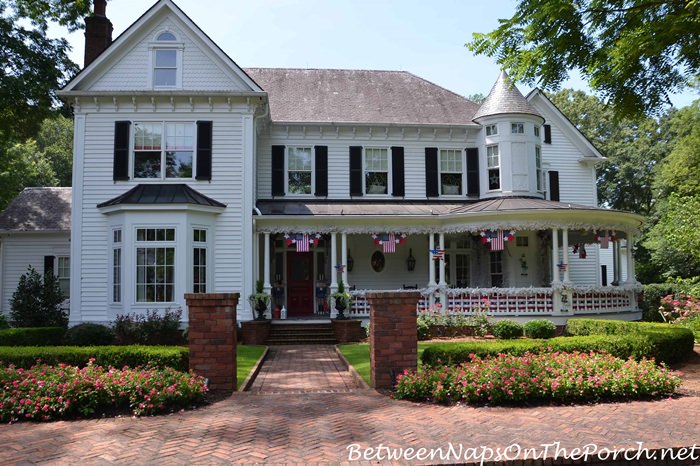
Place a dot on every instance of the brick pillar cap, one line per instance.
(207, 296)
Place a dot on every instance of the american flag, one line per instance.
(438, 254)
(497, 243)
(303, 243)
(389, 244)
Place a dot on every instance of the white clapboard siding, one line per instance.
(340, 139)
(19, 251)
(229, 249)
(200, 71)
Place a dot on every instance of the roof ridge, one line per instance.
(441, 87)
(324, 69)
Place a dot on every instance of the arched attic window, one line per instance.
(166, 61)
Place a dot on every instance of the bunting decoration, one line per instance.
(340, 267)
(302, 241)
(438, 254)
(497, 238)
(388, 241)
(604, 238)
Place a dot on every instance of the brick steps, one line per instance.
(295, 334)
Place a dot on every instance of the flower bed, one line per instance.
(558, 377)
(45, 393)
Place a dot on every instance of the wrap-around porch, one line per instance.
(552, 262)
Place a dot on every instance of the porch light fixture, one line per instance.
(410, 261)
(351, 262)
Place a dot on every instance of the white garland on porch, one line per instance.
(457, 228)
(526, 291)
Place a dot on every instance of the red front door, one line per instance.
(300, 285)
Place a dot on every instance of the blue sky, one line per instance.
(424, 37)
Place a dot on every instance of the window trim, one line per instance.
(536, 131)
(156, 45)
(117, 246)
(497, 167)
(163, 156)
(198, 245)
(59, 276)
(286, 171)
(389, 179)
(513, 125)
(493, 128)
(539, 171)
(462, 172)
(157, 244)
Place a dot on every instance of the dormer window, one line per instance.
(491, 130)
(167, 57)
(517, 128)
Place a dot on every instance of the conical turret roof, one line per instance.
(505, 98)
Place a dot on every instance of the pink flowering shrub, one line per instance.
(559, 377)
(46, 393)
(683, 310)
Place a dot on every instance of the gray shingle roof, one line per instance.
(360, 96)
(162, 194)
(505, 98)
(38, 209)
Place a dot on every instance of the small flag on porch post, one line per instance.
(497, 243)
(303, 243)
(390, 244)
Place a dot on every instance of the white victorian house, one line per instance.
(192, 174)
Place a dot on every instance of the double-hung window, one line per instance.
(376, 171)
(155, 265)
(163, 150)
(117, 266)
(63, 275)
(166, 54)
(493, 161)
(450, 172)
(299, 170)
(538, 169)
(199, 261)
(517, 128)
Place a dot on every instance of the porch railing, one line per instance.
(521, 302)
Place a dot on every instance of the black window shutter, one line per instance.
(397, 172)
(356, 170)
(48, 264)
(204, 142)
(548, 134)
(120, 170)
(321, 167)
(553, 186)
(278, 170)
(431, 172)
(473, 172)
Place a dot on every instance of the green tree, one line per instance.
(55, 142)
(23, 165)
(633, 52)
(34, 65)
(674, 241)
(479, 98)
(37, 301)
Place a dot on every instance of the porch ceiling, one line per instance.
(424, 216)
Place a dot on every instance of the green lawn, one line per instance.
(357, 355)
(246, 358)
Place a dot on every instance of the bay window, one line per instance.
(199, 261)
(155, 265)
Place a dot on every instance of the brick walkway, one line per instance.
(303, 423)
(302, 369)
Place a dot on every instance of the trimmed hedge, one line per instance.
(507, 329)
(665, 343)
(176, 357)
(670, 343)
(540, 328)
(89, 334)
(32, 336)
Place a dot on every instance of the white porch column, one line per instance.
(616, 263)
(442, 262)
(266, 264)
(344, 255)
(631, 276)
(565, 254)
(555, 256)
(333, 261)
(431, 262)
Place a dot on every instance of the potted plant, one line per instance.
(259, 300)
(342, 300)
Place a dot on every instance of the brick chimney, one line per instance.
(98, 32)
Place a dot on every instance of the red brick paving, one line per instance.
(301, 426)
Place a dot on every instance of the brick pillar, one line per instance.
(212, 337)
(393, 340)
